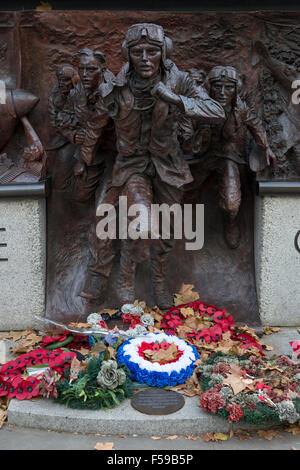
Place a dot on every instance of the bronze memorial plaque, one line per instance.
(154, 401)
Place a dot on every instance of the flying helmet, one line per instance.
(152, 33)
(224, 72)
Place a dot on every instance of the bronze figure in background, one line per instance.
(222, 147)
(146, 100)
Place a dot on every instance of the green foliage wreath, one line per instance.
(86, 393)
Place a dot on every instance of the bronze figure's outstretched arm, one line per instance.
(278, 69)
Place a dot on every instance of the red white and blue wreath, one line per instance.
(158, 359)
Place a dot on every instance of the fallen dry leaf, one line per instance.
(268, 434)
(112, 352)
(14, 335)
(271, 329)
(162, 355)
(84, 351)
(140, 303)
(3, 416)
(267, 347)
(242, 435)
(185, 295)
(209, 436)
(154, 329)
(236, 380)
(80, 325)
(187, 311)
(214, 437)
(170, 438)
(108, 311)
(104, 446)
(293, 428)
(97, 348)
(192, 438)
(27, 342)
(219, 436)
(75, 368)
(155, 438)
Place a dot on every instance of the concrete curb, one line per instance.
(45, 414)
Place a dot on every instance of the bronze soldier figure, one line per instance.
(74, 102)
(145, 101)
(289, 120)
(96, 127)
(222, 147)
(63, 118)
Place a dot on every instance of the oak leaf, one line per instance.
(28, 342)
(108, 311)
(187, 312)
(236, 380)
(162, 355)
(185, 295)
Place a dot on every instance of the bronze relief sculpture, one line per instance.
(145, 101)
(155, 134)
(222, 147)
(76, 102)
(288, 122)
(31, 164)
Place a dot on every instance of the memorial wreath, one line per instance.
(158, 359)
(250, 388)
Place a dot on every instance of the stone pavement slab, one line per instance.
(13, 437)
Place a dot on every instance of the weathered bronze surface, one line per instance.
(206, 135)
(154, 401)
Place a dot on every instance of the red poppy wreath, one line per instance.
(15, 382)
(198, 322)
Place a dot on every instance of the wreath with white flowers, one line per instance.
(141, 356)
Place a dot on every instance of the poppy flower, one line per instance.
(219, 316)
(156, 347)
(4, 387)
(215, 332)
(205, 334)
(164, 346)
(31, 388)
(211, 310)
(14, 385)
(203, 308)
(21, 393)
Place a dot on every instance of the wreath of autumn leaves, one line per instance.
(201, 323)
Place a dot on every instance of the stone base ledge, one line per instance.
(125, 420)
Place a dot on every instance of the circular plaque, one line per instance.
(154, 401)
